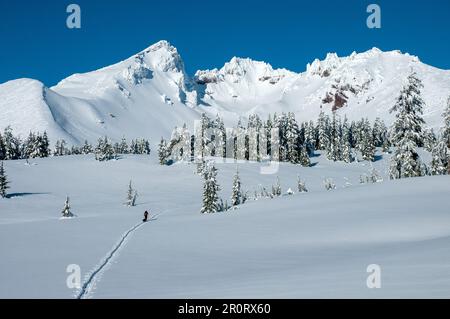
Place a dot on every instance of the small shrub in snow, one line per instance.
(301, 186)
(329, 184)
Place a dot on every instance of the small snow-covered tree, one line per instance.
(301, 186)
(2, 149)
(131, 196)
(329, 184)
(11, 144)
(162, 151)
(276, 189)
(211, 201)
(334, 145)
(87, 148)
(445, 135)
(304, 157)
(3, 181)
(323, 125)
(236, 193)
(440, 159)
(429, 139)
(66, 212)
(60, 148)
(292, 139)
(104, 151)
(123, 146)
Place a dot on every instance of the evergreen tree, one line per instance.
(66, 209)
(334, 143)
(123, 146)
(276, 189)
(3, 181)
(104, 151)
(304, 157)
(406, 133)
(2, 149)
(323, 131)
(446, 128)
(162, 152)
(429, 140)
(11, 144)
(367, 145)
(60, 148)
(310, 137)
(211, 202)
(131, 196)
(292, 139)
(346, 146)
(440, 159)
(87, 148)
(43, 145)
(409, 110)
(236, 193)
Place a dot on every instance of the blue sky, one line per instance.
(36, 43)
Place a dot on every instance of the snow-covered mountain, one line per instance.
(149, 93)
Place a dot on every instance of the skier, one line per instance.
(145, 216)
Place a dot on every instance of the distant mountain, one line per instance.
(148, 94)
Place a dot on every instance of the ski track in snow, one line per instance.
(89, 284)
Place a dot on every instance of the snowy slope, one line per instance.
(316, 244)
(149, 93)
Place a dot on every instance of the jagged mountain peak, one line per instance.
(149, 93)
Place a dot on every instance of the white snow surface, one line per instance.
(315, 244)
(148, 94)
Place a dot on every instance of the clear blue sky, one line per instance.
(35, 42)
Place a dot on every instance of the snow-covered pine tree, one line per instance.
(446, 128)
(87, 148)
(409, 110)
(292, 139)
(323, 125)
(11, 144)
(429, 139)
(304, 156)
(43, 145)
(236, 193)
(310, 137)
(276, 189)
(301, 186)
(211, 201)
(440, 158)
(407, 133)
(2, 149)
(346, 146)
(60, 148)
(367, 146)
(131, 196)
(104, 151)
(66, 212)
(334, 143)
(123, 146)
(162, 151)
(3, 181)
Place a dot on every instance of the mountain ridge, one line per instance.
(150, 92)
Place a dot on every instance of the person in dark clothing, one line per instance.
(145, 216)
